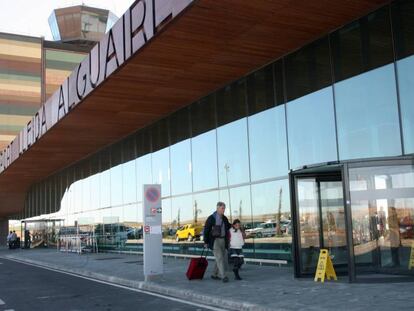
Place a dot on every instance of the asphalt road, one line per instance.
(24, 287)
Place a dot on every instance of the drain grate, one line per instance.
(108, 258)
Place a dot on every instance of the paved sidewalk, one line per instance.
(263, 287)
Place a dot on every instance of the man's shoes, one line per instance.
(225, 279)
(215, 277)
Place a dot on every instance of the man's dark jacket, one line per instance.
(210, 222)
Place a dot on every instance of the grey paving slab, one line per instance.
(63, 292)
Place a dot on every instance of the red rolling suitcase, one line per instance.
(197, 267)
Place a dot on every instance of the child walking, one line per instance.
(236, 245)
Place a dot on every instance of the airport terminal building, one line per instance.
(299, 115)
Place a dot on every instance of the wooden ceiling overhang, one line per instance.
(205, 47)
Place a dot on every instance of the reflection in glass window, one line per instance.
(311, 129)
(116, 185)
(231, 103)
(129, 183)
(183, 211)
(367, 115)
(260, 90)
(95, 191)
(77, 198)
(267, 138)
(363, 45)
(105, 187)
(166, 212)
(271, 221)
(179, 126)
(131, 214)
(308, 70)
(203, 115)
(238, 204)
(206, 204)
(279, 82)
(161, 170)
(233, 153)
(403, 26)
(383, 216)
(181, 167)
(405, 69)
(204, 166)
(144, 174)
(86, 185)
(271, 201)
(159, 135)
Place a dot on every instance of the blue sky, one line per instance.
(30, 17)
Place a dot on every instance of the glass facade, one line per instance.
(343, 97)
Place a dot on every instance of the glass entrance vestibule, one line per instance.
(362, 212)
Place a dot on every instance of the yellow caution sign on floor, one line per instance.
(324, 267)
(411, 261)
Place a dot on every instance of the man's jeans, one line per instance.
(220, 254)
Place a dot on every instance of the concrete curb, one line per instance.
(151, 287)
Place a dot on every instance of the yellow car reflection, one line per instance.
(188, 232)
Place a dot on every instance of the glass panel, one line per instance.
(183, 213)
(260, 92)
(403, 25)
(271, 225)
(367, 115)
(179, 123)
(311, 135)
(203, 115)
(405, 69)
(231, 103)
(181, 167)
(161, 170)
(105, 179)
(333, 221)
(166, 216)
(143, 141)
(204, 166)
(267, 138)
(131, 222)
(105, 185)
(78, 191)
(382, 200)
(233, 153)
(144, 174)
(238, 206)
(95, 191)
(363, 45)
(279, 82)
(206, 204)
(116, 185)
(309, 223)
(308, 70)
(86, 185)
(129, 183)
(159, 135)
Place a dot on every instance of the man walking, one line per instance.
(216, 231)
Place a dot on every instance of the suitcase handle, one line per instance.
(205, 250)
